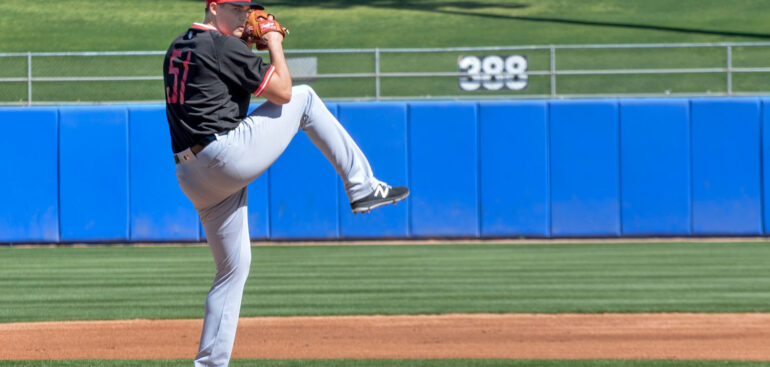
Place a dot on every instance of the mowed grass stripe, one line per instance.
(392, 363)
(93, 283)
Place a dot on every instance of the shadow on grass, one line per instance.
(474, 6)
(616, 25)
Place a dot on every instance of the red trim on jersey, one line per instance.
(268, 75)
(204, 27)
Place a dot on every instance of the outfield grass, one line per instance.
(92, 283)
(392, 363)
(91, 25)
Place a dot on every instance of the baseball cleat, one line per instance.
(382, 195)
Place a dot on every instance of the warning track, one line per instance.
(509, 336)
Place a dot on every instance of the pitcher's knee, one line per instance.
(244, 264)
(236, 269)
(302, 89)
(303, 92)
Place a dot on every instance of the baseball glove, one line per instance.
(258, 24)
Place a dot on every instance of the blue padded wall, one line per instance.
(725, 167)
(573, 168)
(380, 131)
(443, 158)
(258, 202)
(585, 197)
(93, 166)
(766, 164)
(303, 192)
(655, 166)
(159, 209)
(29, 203)
(259, 210)
(514, 169)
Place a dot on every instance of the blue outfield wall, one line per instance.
(443, 169)
(302, 198)
(488, 169)
(93, 174)
(585, 177)
(655, 163)
(726, 194)
(153, 181)
(380, 129)
(29, 188)
(513, 169)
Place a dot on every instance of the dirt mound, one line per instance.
(510, 336)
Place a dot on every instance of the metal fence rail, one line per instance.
(378, 74)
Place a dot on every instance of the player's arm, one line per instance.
(278, 90)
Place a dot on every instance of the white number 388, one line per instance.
(493, 72)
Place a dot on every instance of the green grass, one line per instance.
(81, 283)
(392, 363)
(92, 25)
(89, 25)
(87, 283)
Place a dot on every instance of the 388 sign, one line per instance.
(493, 72)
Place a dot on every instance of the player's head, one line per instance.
(229, 16)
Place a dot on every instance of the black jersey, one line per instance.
(209, 79)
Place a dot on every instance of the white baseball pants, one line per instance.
(216, 182)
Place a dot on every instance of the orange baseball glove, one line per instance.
(258, 24)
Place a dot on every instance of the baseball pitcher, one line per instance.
(210, 73)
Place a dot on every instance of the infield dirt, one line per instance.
(508, 336)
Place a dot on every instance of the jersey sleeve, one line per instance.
(242, 67)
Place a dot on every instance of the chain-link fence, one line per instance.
(436, 73)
